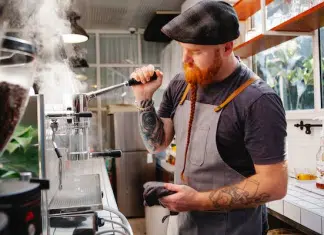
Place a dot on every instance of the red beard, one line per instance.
(195, 75)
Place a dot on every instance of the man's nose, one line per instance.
(186, 57)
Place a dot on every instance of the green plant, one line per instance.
(21, 153)
(285, 65)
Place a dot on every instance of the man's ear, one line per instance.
(228, 48)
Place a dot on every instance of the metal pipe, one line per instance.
(94, 94)
(80, 103)
(131, 82)
(55, 114)
(67, 114)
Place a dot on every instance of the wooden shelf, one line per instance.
(247, 8)
(307, 21)
(259, 43)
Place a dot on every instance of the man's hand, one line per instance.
(146, 90)
(185, 198)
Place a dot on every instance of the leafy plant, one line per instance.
(21, 154)
(290, 73)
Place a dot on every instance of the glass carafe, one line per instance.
(16, 79)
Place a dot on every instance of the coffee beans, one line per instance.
(13, 100)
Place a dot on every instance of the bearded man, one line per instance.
(229, 126)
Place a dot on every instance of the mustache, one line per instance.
(194, 75)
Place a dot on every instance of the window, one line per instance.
(321, 33)
(118, 49)
(119, 55)
(288, 69)
(90, 48)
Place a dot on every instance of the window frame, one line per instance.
(98, 65)
(318, 110)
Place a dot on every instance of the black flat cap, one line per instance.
(209, 22)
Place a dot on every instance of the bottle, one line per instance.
(320, 161)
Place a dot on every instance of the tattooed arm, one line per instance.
(157, 133)
(268, 184)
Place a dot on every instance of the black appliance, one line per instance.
(4, 230)
(21, 202)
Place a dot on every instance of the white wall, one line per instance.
(302, 148)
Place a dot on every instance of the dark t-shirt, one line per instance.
(252, 127)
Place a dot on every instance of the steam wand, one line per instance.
(131, 82)
(54, 127)
(81, 100)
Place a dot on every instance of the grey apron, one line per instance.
(207, 171)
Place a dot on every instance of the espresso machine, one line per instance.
(74, 124)
(67, 141)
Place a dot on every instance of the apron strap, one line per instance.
(236, 93)
(229, 99)
(185, 93)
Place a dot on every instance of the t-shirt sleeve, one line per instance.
(266, 130)
(171, 97)
(166, 106)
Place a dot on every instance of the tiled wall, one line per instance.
(302, 148)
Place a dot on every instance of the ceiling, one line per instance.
(109, 14)
(121, 14)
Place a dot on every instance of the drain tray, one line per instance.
(79, 194)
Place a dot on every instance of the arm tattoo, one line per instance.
(244, 195)
(151, 126)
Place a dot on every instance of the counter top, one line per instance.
(96, 166)
(303, 204)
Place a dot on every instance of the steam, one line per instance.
(43, 22)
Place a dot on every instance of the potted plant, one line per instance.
(21, 153)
